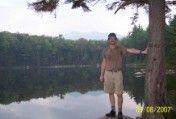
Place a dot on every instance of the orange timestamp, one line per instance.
(152, 109)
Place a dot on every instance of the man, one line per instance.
(111, 72)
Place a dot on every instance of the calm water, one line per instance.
(66, 93)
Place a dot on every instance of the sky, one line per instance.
(73, 106)
(17, 17)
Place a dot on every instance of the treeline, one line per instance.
(25, 50)
(136, 39)
(170, 43)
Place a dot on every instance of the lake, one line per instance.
(68, 93)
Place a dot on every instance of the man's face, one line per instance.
(112, 41)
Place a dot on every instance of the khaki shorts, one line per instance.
(113, 82)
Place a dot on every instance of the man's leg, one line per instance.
(120, 102)
(112, 99)
(109, 88)
(112, 113)
(119, 91)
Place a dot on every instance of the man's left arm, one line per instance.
(136, 51)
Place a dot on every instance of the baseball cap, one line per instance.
(112, 35)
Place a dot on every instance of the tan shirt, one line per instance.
(114, 57)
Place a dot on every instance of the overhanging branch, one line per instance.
(171, 2)
(44, 5)
(125, 3)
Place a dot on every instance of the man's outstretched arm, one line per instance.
(136, 51)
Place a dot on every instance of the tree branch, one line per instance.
(125, 3)
(44, 5)
(80, 3)
(171, 2)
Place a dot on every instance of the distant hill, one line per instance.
(88, 35)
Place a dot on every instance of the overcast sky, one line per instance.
(17, 17)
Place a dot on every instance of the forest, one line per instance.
(18, 49)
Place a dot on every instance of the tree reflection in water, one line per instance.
(18, 85)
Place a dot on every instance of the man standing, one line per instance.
(111, 72)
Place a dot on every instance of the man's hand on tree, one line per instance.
(145, 51)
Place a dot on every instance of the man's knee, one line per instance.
(111, 94)
(119, 95)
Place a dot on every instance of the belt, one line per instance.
(114, 70)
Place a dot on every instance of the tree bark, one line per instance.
(155, 82)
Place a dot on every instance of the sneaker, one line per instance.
(120, 115)
(111, 114)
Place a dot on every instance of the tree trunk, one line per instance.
(155, 82)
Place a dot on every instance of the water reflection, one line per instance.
(21, 85)
(90, 105)
(65, 93)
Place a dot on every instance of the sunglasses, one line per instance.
(112, 38)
